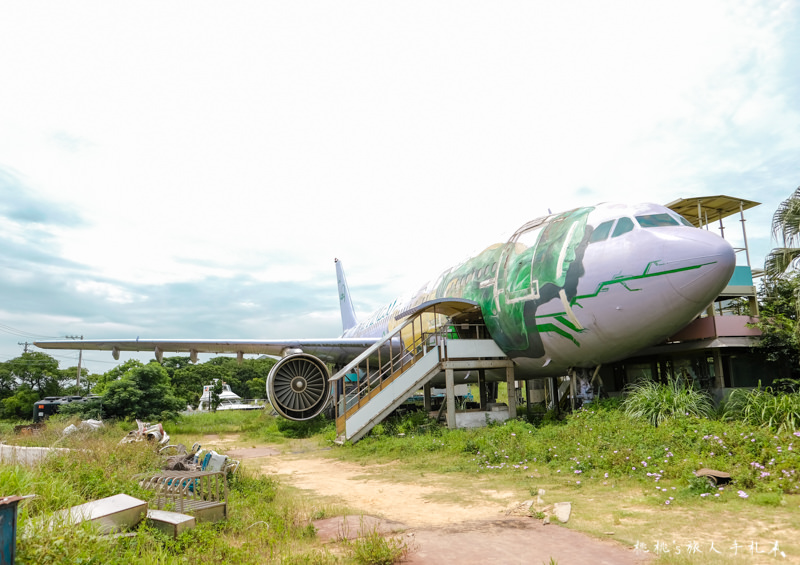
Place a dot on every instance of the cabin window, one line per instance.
(624, 225)
(601, 232)
(684, 221)
(656, 220)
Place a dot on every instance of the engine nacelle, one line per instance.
(298, 387)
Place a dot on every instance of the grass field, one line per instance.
(630, 478)
(625, 478)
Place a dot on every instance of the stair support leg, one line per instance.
(426, 397)
(512, 392)
(484, 397)
(572, 389)
(528, 398)
(451, 398)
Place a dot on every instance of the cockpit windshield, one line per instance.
(601, 232)
(656, 220)
(623, 225)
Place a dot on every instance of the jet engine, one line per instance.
(298, 387)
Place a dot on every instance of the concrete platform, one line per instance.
(27, 455)
(354, 527)
(512, 540)
(112, 514)
(479, 419)
(171, 523)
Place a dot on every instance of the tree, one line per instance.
(7, 381)
(115, 374)
(215, 391)
(87, 381)
(188, 382)
(38, 371)
(256, 388)
(780, 292)
(20, 404)
(247, 379)
(786, 228)
(142, 392)
(26, 379)
(240, 376)
(780, 333)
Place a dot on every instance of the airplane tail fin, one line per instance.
(345, 304)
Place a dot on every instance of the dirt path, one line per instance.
(415, 505)
(436, 518)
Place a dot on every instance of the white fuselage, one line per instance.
(583, 288)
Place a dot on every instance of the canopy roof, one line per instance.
(447, 306)
(712, 208)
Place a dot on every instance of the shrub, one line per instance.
(658, 402)
(765, 408)
(374, 549)
(92, 409)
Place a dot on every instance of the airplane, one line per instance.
(571, 290)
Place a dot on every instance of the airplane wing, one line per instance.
(332, 350)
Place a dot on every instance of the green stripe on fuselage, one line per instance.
(645, 275)
(602, 287)
(555, 329)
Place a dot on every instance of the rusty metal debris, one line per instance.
(146, 431)
(713, 476)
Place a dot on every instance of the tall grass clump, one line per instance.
(374, 549)
(658, 402)
(766, 408)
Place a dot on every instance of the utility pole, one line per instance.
(80, 358)
(26, 344)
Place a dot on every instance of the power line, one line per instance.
(80, 358)
(23, 333)
(8, 357)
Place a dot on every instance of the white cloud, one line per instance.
(199, 142)
(106, 291)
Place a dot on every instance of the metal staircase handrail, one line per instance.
(373, 348)
(383, 373)
(408, 343)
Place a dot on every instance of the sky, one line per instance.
(192, 169)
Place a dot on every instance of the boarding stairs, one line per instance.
(427, 342)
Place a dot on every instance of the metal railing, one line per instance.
(369, 373)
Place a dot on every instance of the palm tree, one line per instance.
(785, 227)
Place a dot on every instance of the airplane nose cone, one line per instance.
(708, 271)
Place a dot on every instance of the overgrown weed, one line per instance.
(601, 443)
(778, 411)
(658, 402)
(261, 526)
(372, 548)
